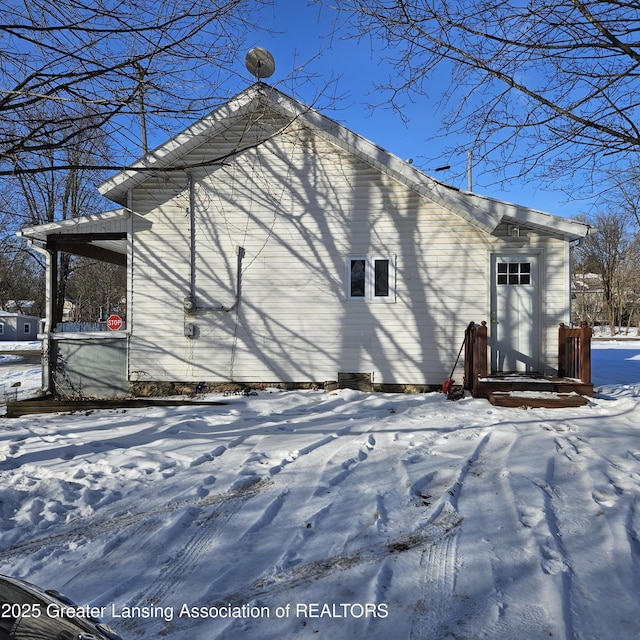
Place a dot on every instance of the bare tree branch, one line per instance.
(544, 84)
(77, 54)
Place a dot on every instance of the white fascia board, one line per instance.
(450, 198)
(169, 152)
(481, 211)
(546, 222)
(75, 225)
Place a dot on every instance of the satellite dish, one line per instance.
(260, 63)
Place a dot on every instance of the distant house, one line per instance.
(19, 306)
(269, 244)
(18, 326)
(588, 298)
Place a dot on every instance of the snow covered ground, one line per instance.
(336, 514)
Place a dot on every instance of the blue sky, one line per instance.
(301, 35)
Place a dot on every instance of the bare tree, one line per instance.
(613, 254)
(96, 289)
(21, 284)
(123, 60)
(626, 192)
(549, 86)
(33, 198)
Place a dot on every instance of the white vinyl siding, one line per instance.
(299, 207)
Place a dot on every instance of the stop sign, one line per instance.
(114, 322)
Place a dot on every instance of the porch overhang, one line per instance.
(102, 236)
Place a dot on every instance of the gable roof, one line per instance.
(480, 211)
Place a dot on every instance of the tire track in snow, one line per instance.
(591, 501)
(198, 545)
(118, 524)
(208, 532)
(521, 602)
(294, 578)
(555, 555)
(438, 562)
(633, 535)
(319, 496)
(438, 567)
(114, 524)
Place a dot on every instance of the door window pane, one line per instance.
(514, 273)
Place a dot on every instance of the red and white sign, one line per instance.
(114, 322)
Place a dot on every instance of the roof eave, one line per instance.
(40, 232)
(116, 187)
(480, 211)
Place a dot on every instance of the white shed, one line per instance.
(269, 244)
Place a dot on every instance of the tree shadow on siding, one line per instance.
(299, 208)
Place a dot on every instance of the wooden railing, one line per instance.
(476, 364)
(574, 352)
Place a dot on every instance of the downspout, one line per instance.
(572, 244)
(240, 255)
(192, 236)
(47, 374)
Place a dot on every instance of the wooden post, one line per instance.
(469, 342)
(585, 353)
(562, 351)
(475, 355)
(482, 356)
(574, 352)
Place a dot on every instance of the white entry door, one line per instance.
(515, 313)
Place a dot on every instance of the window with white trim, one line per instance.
(370, 278)
(1, 328)
(27, 327)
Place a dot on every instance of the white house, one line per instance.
(269, 244)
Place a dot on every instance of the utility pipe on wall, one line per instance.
(190, 302)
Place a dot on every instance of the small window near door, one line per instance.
(381, 278)
(370, 278)
(357, 277)
(514, 273)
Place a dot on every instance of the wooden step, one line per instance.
(536, 399)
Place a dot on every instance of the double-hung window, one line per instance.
(370, 278)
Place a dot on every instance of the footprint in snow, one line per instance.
(552, 562)
(245, 481)
(530, 517)
(420, 494)
(208, 457)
